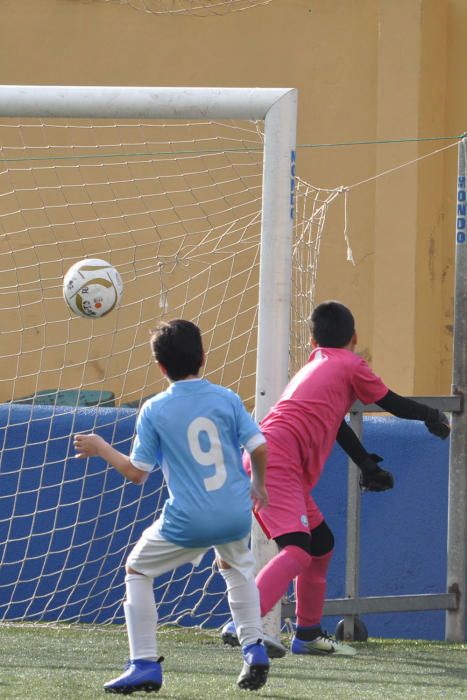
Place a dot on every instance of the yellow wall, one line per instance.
(366, 70)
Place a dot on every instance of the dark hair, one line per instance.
(332, 325)
(178, 346)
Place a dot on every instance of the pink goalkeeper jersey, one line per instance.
(301, 428)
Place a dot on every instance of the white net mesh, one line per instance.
(200, 8)
(176, 208)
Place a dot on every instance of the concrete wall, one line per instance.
(366, 70)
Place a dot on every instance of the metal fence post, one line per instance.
(352, 559)
(456, 620)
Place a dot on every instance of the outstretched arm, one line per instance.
(92, 445)
(436, 422)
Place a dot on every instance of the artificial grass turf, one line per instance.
(72, 663)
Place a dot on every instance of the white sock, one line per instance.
(141, 617)
(243, 597)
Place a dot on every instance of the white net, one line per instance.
(176, 208)
(200, 8)
(312, 206)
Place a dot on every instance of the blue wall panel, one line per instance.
(403, 531)
(72, 552)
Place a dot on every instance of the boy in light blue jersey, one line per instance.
(203, 472)
(194, 430)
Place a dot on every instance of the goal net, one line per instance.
(179, 208)
(198, 8)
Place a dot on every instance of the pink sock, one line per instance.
(311, 591)
(273, 580)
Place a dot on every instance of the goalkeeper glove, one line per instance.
(438, 423)
(372, 477)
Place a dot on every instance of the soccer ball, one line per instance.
(92, 288)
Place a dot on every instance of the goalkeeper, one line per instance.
(300, 431)
(194, 430)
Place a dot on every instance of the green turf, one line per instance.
(71, 663)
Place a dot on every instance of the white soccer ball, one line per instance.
(92, 288)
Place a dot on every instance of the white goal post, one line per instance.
(24, 195)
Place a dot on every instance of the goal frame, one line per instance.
(277, 107)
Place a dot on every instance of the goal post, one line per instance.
(42, 216)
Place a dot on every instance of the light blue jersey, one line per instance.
(194, 430)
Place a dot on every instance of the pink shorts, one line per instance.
(291, 507)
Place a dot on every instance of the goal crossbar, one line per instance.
(108, 102)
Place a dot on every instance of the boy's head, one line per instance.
(332, 325)
(178, 347)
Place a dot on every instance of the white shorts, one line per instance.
(153, 555)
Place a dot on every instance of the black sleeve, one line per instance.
(403, 407)
(350, 443)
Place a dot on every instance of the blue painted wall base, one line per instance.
(66, 527)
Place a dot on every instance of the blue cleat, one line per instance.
(274, 647)
(140, 674)
(255, 669)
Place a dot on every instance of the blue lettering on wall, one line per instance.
(293, 156)
(461, 210)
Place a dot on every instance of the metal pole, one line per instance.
(456, 620)
(352, 559)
